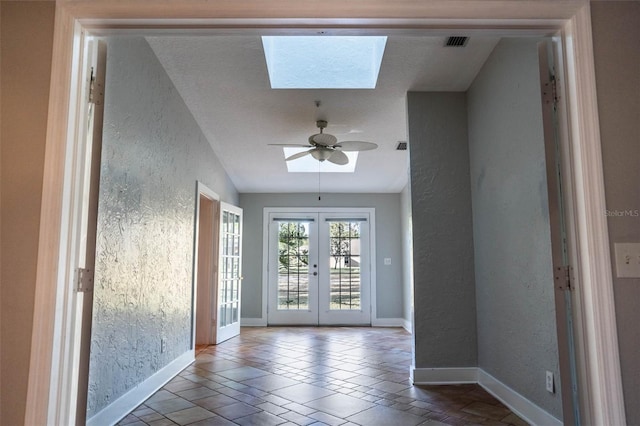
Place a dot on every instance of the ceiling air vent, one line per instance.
(402, 146)
(456, 41)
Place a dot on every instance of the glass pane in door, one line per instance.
(293, 265)
(230, 264)
(344, 265)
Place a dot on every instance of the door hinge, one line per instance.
(96, 90)
(562, 276)
(550, 91)
(84, 280)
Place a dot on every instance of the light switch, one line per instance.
(387, 261)
(627, 260)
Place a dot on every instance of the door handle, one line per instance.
(315, 273)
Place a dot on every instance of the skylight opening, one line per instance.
(308, 164)
(323, 62)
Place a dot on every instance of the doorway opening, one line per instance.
(206, 271)
(584, 132)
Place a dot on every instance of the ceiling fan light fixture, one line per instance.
(321, 154)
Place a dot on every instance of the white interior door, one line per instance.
(229, 273)
(90, 129)
(319, 268)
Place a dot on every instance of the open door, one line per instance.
(230, 273)
(206, 266)
(90, 128)
(547, 59)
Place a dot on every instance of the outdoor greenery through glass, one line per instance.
(344, 263)
(293, 265)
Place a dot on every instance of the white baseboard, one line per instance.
(520, 405)
(443, 376)
(253, 322)
(406, 324)
(387, 322)
(378, 322)
(517, 403)
(122, 406)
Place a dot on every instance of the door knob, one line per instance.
(315, 273)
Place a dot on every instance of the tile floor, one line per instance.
(313, 376)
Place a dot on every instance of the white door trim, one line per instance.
(600, 380)
(266, 214)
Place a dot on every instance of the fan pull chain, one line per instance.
(319, 174)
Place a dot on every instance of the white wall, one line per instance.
(388, 244)
(517, 341)
(444, 287)
(407, 255)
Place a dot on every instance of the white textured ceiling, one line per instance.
(224, 82)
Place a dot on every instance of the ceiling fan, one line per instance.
(326, 147)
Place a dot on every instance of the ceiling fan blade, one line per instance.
(298, 155)
(324, 139)
(339, 158)
(350, 146)
(292, 145)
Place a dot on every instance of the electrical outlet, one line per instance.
(627, 260)
(550, 382)
(163, 345)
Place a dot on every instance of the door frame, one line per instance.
(203, 191)
(599, 372)
(349, 211)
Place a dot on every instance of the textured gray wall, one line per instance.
(153, 153)
(388, 244)
(444, 287)
(514, 283)
(407, 253)
(616, 41)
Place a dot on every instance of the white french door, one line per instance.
(229, 273)
(319, 268)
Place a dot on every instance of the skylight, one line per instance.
(323, 62)
(308, 164)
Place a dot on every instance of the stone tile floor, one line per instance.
(313, 376)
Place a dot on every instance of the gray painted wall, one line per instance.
(616, 37)
(444, 287)
(388, 244)
(514, 283)
(407, 253)
(153, 153)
